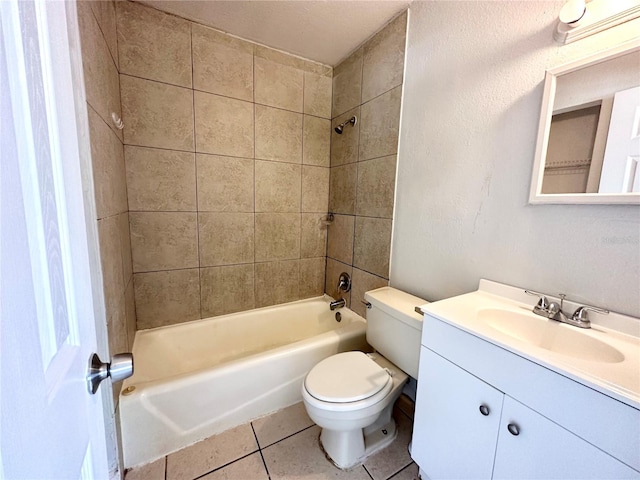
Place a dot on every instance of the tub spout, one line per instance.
(337, 304)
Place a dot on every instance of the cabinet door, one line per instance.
(451, 437)
(543, 449)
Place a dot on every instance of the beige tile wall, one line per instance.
(97, 22)
(227, 156)
(368, 84)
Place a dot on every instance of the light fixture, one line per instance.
(572, 12)
(579, 19)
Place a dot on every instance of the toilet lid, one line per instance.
(346, 377)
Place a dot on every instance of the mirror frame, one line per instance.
(535, 194)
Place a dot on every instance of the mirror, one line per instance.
(588, 148)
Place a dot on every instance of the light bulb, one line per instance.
(572, 11)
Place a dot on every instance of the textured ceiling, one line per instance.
(324, 31)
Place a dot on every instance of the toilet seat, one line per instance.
(348, 378)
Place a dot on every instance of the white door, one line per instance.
(541, 449)
(51, 427)
(620, 169)
(456, 423)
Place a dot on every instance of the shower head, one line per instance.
(339, 129)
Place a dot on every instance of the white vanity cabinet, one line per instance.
(483, 412)
(452, 438)
(544, 450)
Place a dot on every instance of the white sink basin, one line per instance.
(550, 335)
(605, 357)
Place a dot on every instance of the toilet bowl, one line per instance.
(344, 408)
(351, 395)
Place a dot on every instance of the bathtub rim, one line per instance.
(229, 365)
(324, 297)
(233, 364)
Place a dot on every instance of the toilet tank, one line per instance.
(394, 328)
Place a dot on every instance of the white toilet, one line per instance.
(351, 395)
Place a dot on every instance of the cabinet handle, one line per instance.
(513, 429)
(484, 410)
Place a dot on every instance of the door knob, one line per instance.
(121, 367)
(484, 410)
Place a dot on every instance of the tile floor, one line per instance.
(281, 446)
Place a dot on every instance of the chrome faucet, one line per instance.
(554, 311)
(344, 285)
(341, 302)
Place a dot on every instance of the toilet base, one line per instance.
(348, 448)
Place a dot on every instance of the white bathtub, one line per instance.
(196, 379)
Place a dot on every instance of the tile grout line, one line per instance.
(223, 96)
(106, 44)
(365, 469)
(255, 182)
(126, 185)
(225, 465)
(349, 215)
(264, 463)
(210, 154)
(104, 37)
(367, 101)
(355, 199)
(256, 46)
(109, 126)
(327, 229)
(195, 164)
(302, 169)
(142, 272)
(400, 470)
(231, 212)
(359, 268)
(289, 436)
(405, 414)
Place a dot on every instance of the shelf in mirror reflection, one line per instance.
(589, 135)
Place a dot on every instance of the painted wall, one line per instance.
(227, 168)
(368, 84)
(473, 90)
(597, 82)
